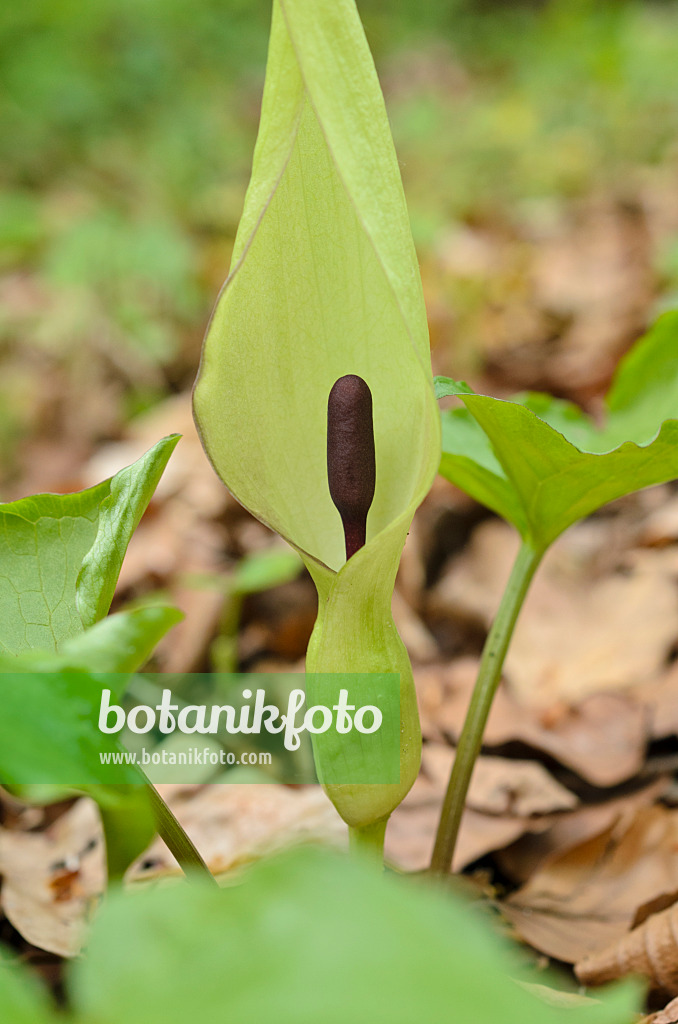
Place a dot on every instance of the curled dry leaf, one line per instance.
(650, 950)
(585, 899)
(52, 880)
(522, 859)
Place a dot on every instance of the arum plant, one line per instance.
(543, 464)
(324, 287)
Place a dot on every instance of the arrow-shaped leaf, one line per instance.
(60, 554)
(543, 464)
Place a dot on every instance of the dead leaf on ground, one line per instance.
(650, 950)
(585, 899)
(661, 526)
(506, 799)
(188, 471)
(592, 274)
(660, 697)
(233, 824)
(412, 827)
(520, 860)
(579, 632)
(52, 880)
(420, 644)
(500, 785)
(602, 738)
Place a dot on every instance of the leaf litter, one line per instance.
(566, 785)
(572, 784)
(54, 877)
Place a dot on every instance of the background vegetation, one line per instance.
(126, 133)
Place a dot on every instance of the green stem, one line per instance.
(489, 675)
(176, 839)
(368, 842)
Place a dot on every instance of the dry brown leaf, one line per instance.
(579, 632)
(500, 785)
(412, 827)
(653, 906)
(188, 472)
(414, 634)
(504, 798)
(519, 861)
(235, 824)
(585, 899)
(602, 738)
(650, 950)
(592, 315)
(185, 648)
(659, 697)
(661, 526)
(52, 880)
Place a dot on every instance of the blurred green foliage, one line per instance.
(521, 102)
(127, 128)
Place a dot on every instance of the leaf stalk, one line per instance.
(489, 675)
(176, 838)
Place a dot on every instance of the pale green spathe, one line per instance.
(324, 282)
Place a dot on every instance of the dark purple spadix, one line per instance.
(350, 456)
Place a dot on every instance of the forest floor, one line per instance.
(545, 210)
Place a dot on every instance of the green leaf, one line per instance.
(49, 733)
(542, 464)
(128, 821)
(305, 938)
(22, 998)
(469, 461)
(120, 513)
(119, 643)
(445, 386)
(60, 554)
(50, 745)
(265, 569)
(644, 392)
(43, 541)
(324, 282)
